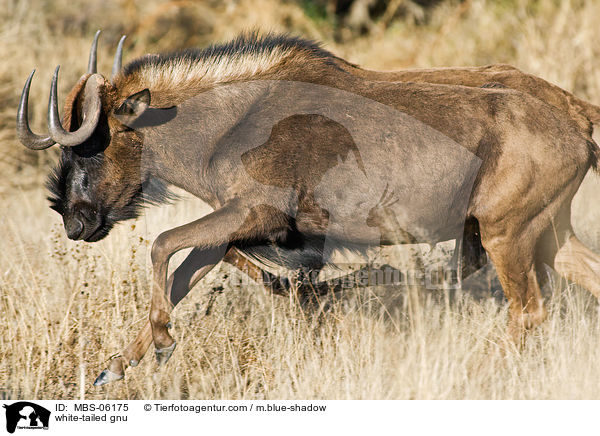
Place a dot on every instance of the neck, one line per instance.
(183, 151)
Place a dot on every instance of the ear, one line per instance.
(135, 105)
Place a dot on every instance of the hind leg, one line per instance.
(560, 249)
(522, 289)
(512, 251)
(577, 263)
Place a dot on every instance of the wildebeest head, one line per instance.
(99, 179)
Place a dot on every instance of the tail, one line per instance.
(592, 113)
(594, 156)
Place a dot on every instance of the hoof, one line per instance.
(163, 354)
(107, 376)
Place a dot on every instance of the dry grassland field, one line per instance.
(68, 306)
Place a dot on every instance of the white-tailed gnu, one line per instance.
(295, 149)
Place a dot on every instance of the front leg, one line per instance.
(211, 235)
(181, 281)
(167, 293)
(272, 283)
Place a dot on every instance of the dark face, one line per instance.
(70, 185)
(79, 193)
(100, 182)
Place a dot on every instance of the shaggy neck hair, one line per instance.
(184, 73)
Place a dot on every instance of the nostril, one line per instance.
(74, 228)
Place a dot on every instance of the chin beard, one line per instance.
(152, 192)
(100, 233)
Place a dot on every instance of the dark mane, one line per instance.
(56, 183)
(252, 44)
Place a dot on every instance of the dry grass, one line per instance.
(67, 306)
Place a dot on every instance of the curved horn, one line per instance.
(118, 59)
(24, 133)
(91, 113)
(92, 64)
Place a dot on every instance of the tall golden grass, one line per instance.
(68, 306)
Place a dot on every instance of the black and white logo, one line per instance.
(26, 415)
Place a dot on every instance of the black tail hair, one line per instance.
(594, 155)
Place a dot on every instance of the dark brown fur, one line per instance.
(534, 141)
